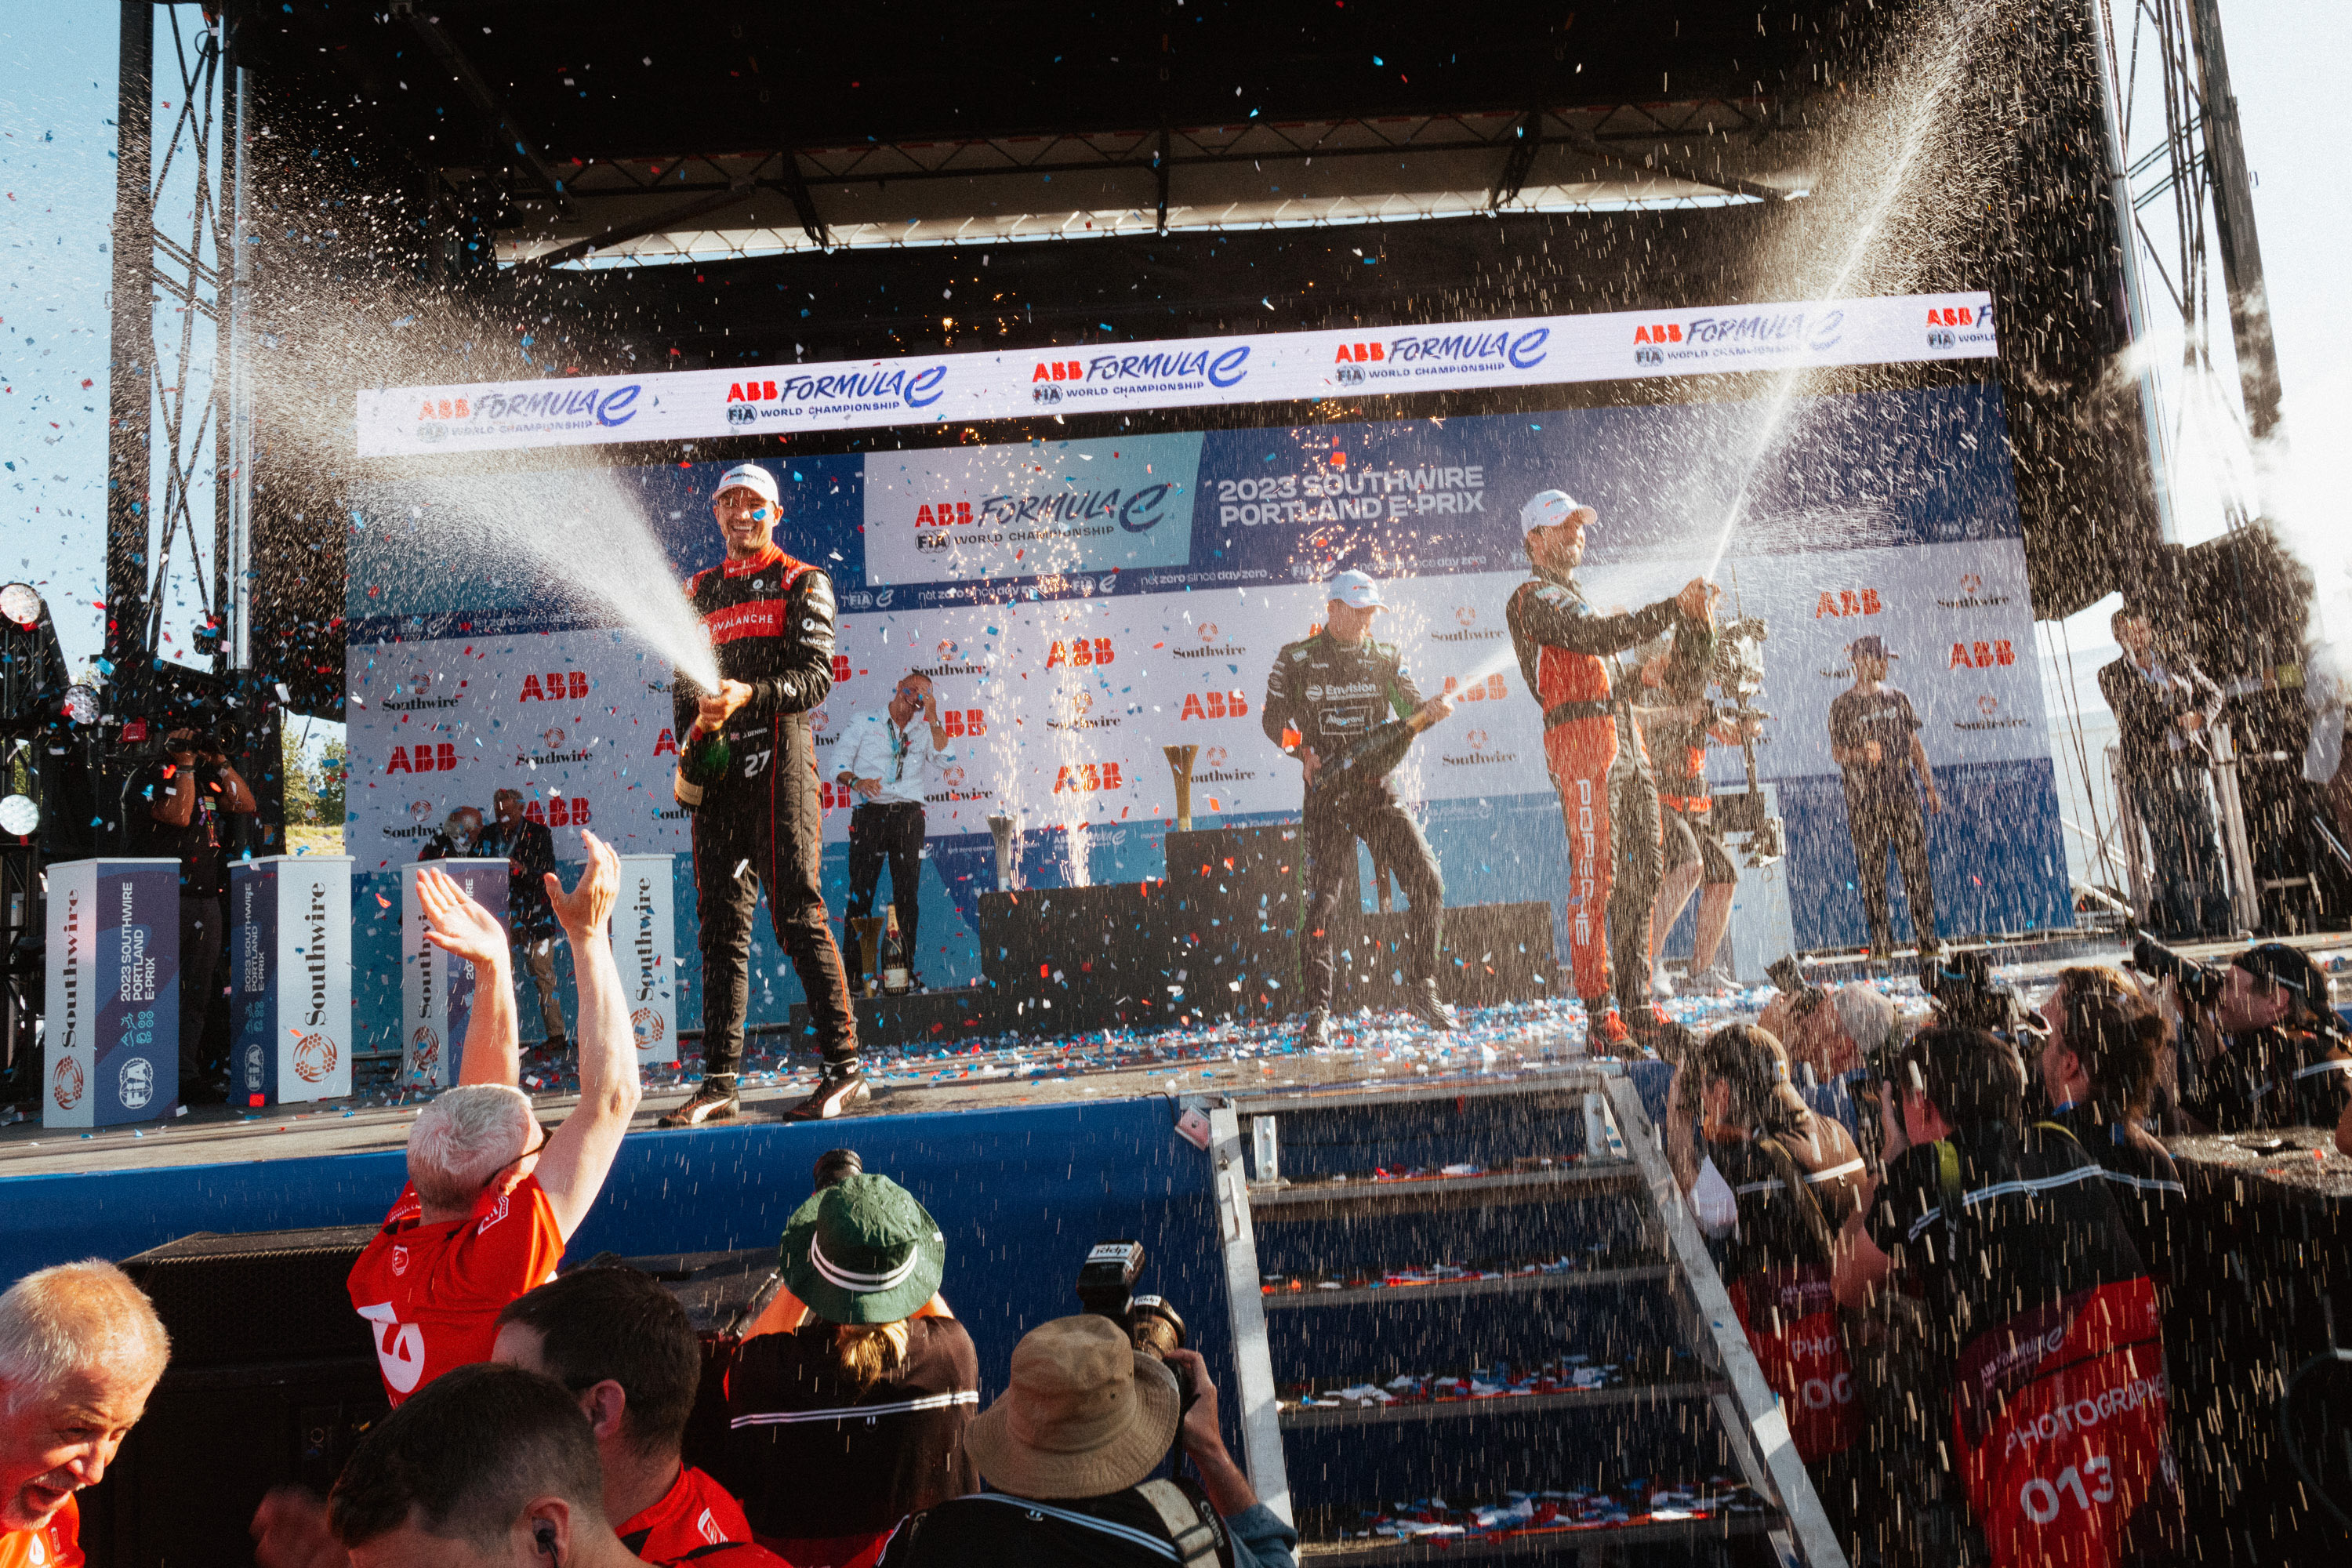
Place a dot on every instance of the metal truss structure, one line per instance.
(173, 299)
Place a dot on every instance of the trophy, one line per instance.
(1180, 762)
(999, 827)
(868, 931)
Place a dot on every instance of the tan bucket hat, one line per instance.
(1088, 1414)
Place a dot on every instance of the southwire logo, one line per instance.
(1215, 771)
(643, 943)
(73, 977)
(1081, 704)
(1478, 755)
(1988, 710)
(1522, 351)
(1972, 596)
(1466, 619)
(314, 956)
(419, 688)
(1211, 647)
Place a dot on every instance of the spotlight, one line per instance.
(21, 602)
(19, 815)
(81, 705)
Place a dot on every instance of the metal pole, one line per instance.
(2126, 239)
(2233, 223)
(131, 366)
(237, 413)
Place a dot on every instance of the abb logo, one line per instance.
(1847, 602)
(968, 722)
(1354, 353)
(1059, 369)
(448, 409)
(1214, 705)
(1951, 316)
(425, 757)
(840, 669)
(835, 796)
(752, 392)
(1982, 655)
(1489, 690)
(946, 515)
(665, 743)
(560, 811)
(1080, 652)
(557, 685)
(1669, 333)
(1085, 778)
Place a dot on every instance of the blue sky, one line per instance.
(57, 197)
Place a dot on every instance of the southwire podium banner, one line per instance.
(289, 964)
(1188, 373)
(644, 948)
(111, 1043)
(436, 988)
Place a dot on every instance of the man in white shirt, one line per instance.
(891, 763)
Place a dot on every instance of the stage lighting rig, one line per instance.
(32, 665)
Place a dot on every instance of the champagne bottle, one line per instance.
(898, 976)
(702, 761)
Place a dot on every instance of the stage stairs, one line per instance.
(1525, 1242)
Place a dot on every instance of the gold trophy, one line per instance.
(868, 931)
(1180, 762)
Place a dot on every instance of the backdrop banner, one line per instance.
(289, 960)
(645, 949)
(1080, 603)
(436, 988)
(1185, 372)
(112, 1048)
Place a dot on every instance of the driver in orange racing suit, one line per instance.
(1563, 647)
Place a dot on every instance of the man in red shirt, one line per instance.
(492, 1467)
(623, 1345)
(491, 1199)
(80, 1349)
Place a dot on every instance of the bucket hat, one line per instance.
(1086, 1415)
(862, 1251)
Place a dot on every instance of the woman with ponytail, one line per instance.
(853, 1417)
(1793, 1179)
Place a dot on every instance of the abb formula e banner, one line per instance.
(1080, 604)
(1190, 373)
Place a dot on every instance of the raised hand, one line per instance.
(458, 924)
(586, 908)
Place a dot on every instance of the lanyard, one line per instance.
(898, 744)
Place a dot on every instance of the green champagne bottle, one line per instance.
(703, 763)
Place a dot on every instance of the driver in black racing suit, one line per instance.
(770, 620)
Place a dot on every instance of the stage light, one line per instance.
(81, 704)
(21, 602)
(19, 815)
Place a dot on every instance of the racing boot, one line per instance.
(1605, 1033)
(1421, 1002)
(714, 1100)
(1659, 1034)
(1314, 1028)
(842, 1087)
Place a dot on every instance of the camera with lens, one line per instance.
(1107, 1289)
(1967, 997)
(1803, 995)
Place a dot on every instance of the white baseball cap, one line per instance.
(749, 477)
(1549, 509)
(1357, 589)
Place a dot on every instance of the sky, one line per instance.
(57, 198)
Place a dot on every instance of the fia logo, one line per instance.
(1647, 357)
(1045, 394)
(1348, 374)
(1943, 338)
(136, 1083)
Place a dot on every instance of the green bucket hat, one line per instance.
(862, 1251)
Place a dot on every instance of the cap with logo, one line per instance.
(1870, 647)
(1549, 509)
(1357, 589)
(749, 477)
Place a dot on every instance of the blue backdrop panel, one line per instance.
(1020, 1194)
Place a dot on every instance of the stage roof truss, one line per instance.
(1245, 174)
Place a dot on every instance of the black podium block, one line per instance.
(1492, 953)
(1236, 895)
(927, 1017)
(1065, 960)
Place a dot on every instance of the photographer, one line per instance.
(1070, 1448)
(856, 1415)
(2163, 709)
(1834, 1029)
(2099, 1069)
(1795, 1178)
(2261, 1044)
(2035, 1315)
(190, 793)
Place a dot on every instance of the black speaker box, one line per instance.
(272, 1379)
